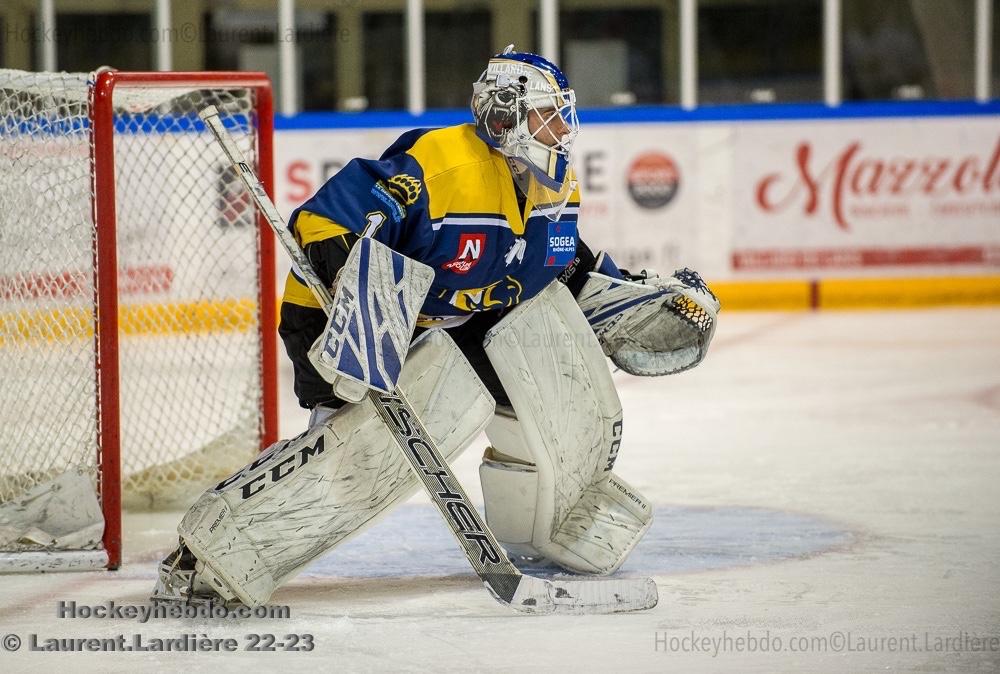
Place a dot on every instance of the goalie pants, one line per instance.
(300, 326)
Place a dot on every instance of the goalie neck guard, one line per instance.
(524, 108)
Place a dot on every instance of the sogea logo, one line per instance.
(560, 246)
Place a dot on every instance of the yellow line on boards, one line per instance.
(168, 318)
(240, 315)
(883, 293)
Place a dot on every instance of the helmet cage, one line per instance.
(517, 92)
(550, 143)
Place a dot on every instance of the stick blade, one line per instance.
(584, 597)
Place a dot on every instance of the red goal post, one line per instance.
(103, 130)
(181, 326)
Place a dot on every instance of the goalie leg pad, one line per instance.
(547, 482)
(598, 534)
(259, 527)
(509, 479)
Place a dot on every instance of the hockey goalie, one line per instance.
(460, 280)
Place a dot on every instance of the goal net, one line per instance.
(136, 303)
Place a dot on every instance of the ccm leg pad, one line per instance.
(548, 484)
(259, 527)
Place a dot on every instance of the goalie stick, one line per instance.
(521, 592)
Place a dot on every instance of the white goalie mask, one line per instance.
(524, 108)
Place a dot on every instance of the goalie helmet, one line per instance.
(524, 108)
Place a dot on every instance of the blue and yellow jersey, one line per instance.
(444, 198)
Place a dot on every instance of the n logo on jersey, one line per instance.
(470, 249)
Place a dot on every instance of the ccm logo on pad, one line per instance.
(470, 249)
(279, 471)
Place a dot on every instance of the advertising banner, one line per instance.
(871, 196)
(640, 194)
(638, 185)
(756, 199)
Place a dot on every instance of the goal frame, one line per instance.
(105, 253)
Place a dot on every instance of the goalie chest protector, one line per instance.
(444, 198)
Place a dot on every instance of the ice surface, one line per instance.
(819, 473)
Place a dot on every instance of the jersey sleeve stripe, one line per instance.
(297, 292)
(311, 227)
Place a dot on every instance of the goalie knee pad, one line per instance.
(547, 480)
(259, 527)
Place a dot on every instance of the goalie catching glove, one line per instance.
(647, 324)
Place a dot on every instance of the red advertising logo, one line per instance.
(880, 186)
(653, 180)
(470, 249)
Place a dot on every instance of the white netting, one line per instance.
(188, 279)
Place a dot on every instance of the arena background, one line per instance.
(824, 483)
(799, 153)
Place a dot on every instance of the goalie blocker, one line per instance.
(365, 343)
